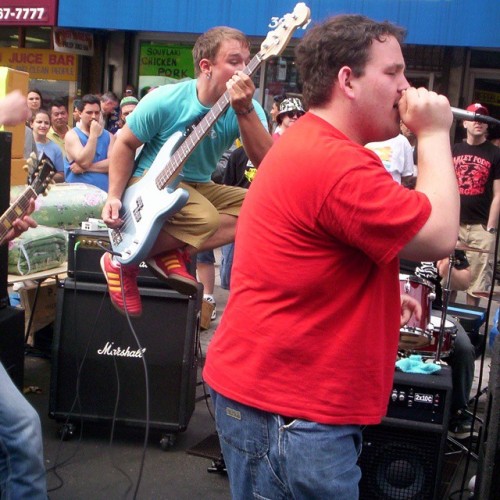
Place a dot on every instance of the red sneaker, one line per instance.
(171, 267)
(128, 274)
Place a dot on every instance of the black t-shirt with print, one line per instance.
(476, 167)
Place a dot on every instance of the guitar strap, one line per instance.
(191, 127)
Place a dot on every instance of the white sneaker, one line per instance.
(210, 298)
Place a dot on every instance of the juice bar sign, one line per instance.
(28, 12)
(170, 61)
(41, 64)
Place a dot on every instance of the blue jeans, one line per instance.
(22, 470)
(206, 257)
(226, 264)
(269, 457)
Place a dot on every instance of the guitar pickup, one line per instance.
(116, 236)
(137, 210)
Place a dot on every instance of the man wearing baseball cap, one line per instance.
(127, 105)
(477, 166)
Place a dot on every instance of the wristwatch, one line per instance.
(492, 230)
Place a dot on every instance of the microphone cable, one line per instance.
(146, 380)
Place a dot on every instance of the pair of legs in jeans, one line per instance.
(272, 457)
(22, 470)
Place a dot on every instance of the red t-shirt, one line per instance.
(311, 327)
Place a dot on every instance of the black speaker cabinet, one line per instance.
(5, 150)
(84, 255)
(402, 457)
(488, 477)
(12, 343)
(96, 360)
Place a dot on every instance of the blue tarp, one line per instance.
(469, 23)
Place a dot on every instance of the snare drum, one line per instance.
(450, 332)
(417, 333)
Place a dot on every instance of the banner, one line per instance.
(41, 64)
(28, 12)
(170, 61)
(73, 42)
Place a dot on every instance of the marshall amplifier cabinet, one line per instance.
(98, 363)
(402, 457)
(84, 255)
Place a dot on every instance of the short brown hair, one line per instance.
(343, 40)
(207, 46)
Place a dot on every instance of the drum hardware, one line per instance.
(444, 309)
(486, 295)
(467, 248)
(417, 333)
(450, 332)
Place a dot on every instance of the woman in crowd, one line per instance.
(40, 123)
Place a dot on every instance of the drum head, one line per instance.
(410, 338)
(436, 323)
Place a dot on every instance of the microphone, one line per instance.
(462, 114)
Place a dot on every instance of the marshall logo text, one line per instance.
(109, 350)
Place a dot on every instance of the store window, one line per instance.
(281, 78)
(28, 49)
(162, 63)
(39, 37)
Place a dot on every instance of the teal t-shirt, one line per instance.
(172, 108)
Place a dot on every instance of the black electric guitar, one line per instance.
(39, 182)
(147, 204)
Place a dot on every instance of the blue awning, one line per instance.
(469, 23)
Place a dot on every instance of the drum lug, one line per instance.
(432, 296)
(407, 286)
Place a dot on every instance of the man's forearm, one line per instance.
(101, 167)
(256, 139)
(494, 211)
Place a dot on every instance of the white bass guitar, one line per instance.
(147, 204)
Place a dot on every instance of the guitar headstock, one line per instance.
(278, 39)
(42, 175)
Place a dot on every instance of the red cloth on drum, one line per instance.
(311, 327)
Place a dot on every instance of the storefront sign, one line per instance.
(41, 64)
(74, 42)
(28, 12)
(487, 97)
(171, 61)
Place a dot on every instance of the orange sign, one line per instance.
(41, 64)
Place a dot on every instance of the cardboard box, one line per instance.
(206, 314)
(45, 310)
(12, 79)
(18, 176)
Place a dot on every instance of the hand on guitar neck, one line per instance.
(21, 224)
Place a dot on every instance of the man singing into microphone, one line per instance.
(305, 351)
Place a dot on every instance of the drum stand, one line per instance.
(444, 310)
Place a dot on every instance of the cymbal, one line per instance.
(466, 248)
(486, 295)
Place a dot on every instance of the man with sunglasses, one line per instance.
(290, 111)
